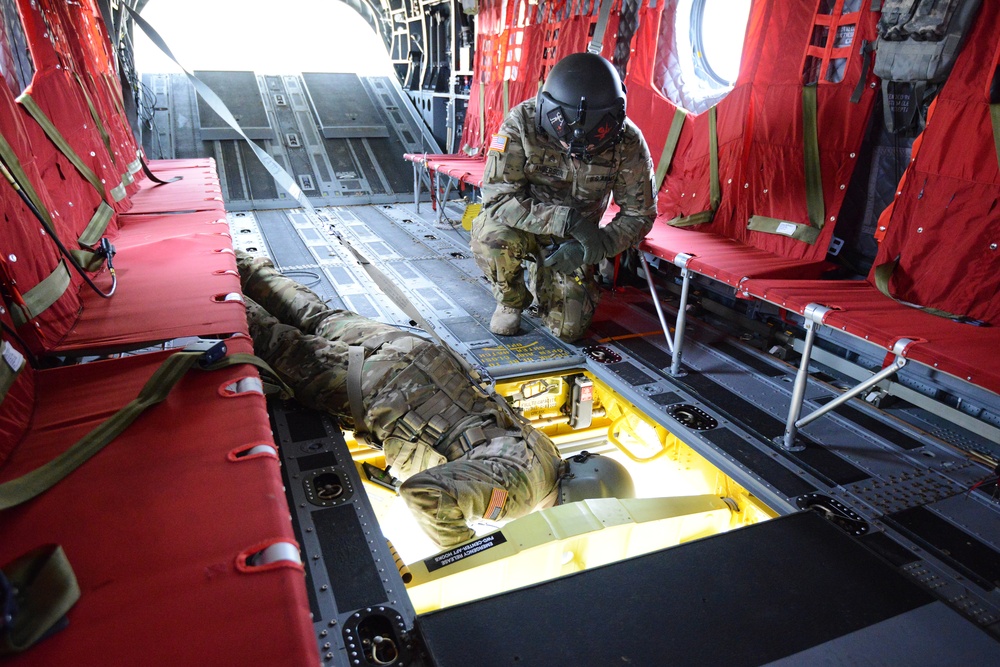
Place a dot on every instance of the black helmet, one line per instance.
(582, 104)
(594, 476)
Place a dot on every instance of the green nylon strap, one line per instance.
(57, 138)
(883, 274)
(810, 151)
(46, 589)
(11, 363)
(355, 366)
(995, 117)
(91, 234)
(156, 389)
(793, 230)
(715, 191)
(506, 97)
(13, 165)
(670, 146)
(482, 113)
(713, 160)
(98, 224)
(96, 118)
(43, 295)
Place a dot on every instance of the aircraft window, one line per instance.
(699, 51)
(16, 65)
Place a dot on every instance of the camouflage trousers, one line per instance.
(463, 457)
(566, 301)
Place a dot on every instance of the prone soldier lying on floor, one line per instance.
(462, 455)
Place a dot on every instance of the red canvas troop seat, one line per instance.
(962, 350)
(197, 190)
(465, 169)
(724, 259)
(171, 512)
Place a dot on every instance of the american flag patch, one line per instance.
(497, 500)
(499, 143)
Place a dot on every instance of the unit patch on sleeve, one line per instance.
(499, 143)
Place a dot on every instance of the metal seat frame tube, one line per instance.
(814, 315)
(676, 345)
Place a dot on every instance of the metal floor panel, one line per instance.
(873, 464)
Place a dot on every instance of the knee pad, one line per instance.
(567, 303)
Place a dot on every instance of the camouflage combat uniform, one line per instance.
(462, 456)
(529, 190)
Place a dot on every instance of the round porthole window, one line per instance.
(699, 51)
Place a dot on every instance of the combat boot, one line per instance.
(506, 320)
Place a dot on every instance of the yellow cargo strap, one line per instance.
(814, 183)
(36, 591)
(715, 191)
(670, 146)
(156, 389)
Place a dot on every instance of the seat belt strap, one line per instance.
(597, 41)
(810, 152)
(17, 177)
(151, 176)
(883, 275)
(41, 588)
(482, 112)
(97, 119)
(156, 389)
(355, 366)
(670, 146)
(715, 194)
(56, 137)
(42, 295)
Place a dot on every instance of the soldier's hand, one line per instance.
(590, 237)
(567, 258)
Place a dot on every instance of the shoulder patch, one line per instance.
(499, 143)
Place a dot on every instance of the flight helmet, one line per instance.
(594, 476)
(582, 104)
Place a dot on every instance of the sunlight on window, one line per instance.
(266, 37)
(699, 51)
(722, 30)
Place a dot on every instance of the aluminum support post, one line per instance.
(883, 374)
(656, 300)
(681, 260)
(814, 314)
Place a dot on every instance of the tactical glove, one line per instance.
(567, 258)
(590, 237)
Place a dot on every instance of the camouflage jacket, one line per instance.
(532, 184)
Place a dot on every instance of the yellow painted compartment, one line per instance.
(680, 496)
